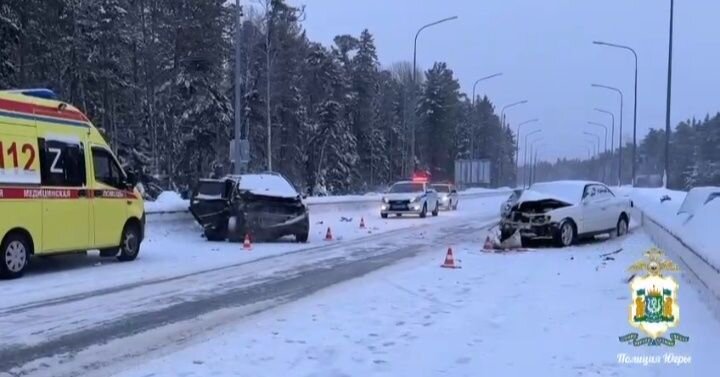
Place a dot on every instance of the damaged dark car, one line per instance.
(264, 206)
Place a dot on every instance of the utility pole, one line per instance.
(238, 166)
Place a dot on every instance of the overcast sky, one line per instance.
(544, 48)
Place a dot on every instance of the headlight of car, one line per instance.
(444, 198)
(415, 199)
(541, 219)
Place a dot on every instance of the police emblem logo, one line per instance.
(654, 308)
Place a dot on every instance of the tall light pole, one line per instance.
(506, 107)
(472, 130)
(620, 143)
(532, 146)
(605, 149)
(517, 144)
(634, 147)
(414, 82)
(525, 153)
(237, 167)
(669, 95)
(597, 141)
(612, 132)
(534, 168)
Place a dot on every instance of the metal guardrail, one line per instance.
(699, 269)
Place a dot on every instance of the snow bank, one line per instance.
(698, 231)
(167, 201)
(695, 230)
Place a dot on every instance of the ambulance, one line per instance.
(62, 189)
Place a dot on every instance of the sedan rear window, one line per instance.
(211, 189)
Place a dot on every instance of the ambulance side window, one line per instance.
(106, 169)
(62, 163)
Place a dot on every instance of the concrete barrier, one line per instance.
(697, 269)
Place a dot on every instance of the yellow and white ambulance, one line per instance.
(62, 189)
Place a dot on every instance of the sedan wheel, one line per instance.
(622, 227)
(566, 234)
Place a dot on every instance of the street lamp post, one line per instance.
(506, 107)
(597, 141)
(620, 144)
(503, 127)
(414, 80)
(669, 95)
(535, 163)
(612, 132)
(525, 153)
(634, 147)
(472, 129)
(532, 147)
(517, 144)
(605, 150)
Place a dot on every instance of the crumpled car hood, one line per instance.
(539, 200)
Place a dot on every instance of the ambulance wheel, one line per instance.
(129, 243)
(14, 255)
(436, 211)
(424, 211)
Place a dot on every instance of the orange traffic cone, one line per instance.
(449, 260)
(247, 245)
(328, 235)
(362, 223)
(489, 245)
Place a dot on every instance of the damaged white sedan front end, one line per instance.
(563, 211)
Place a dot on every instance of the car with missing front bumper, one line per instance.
(410, 198)
(565, 211)
(263, 206)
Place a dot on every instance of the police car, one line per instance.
(61, 187)
(414, 197)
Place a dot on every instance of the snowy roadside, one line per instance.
(556, 311)
(696, 230)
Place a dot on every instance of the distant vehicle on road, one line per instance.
(410, 197)
(564, 211)
(265, 206)
(447, 194)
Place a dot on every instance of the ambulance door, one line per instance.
(110, 204)
(64, 195)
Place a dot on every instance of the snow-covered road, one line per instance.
(73, 318)
(553, 312)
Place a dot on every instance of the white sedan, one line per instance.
(564, 211)
(410, 197)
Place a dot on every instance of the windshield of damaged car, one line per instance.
(441, 188)
(406, 187)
